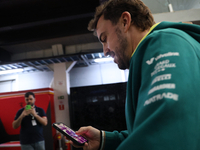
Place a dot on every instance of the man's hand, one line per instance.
(17, 123)
(43, 120)
(33, 112)
(26, 112)
(92, 135)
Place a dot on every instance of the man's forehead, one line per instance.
(100, 25)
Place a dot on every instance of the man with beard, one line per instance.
(32, 121)
(162, 102)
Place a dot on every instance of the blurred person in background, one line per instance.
(31, 119)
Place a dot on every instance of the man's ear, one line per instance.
(126, 20)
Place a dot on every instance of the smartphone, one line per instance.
(69, 133)
(28, 107)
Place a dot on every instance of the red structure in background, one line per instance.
(10, 146)
(11, 102)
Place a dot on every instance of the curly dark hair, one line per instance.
(141, 15)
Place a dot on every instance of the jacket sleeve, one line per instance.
(111, 140)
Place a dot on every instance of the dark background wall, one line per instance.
(101, 106)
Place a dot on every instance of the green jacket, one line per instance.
(163, 92)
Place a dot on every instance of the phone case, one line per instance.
(69, 133)
(28, 107)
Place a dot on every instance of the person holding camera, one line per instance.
(31, 119)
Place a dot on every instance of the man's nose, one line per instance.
(106, 51)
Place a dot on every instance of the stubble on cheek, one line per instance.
(122, 60)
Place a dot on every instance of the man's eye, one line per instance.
(104, 39)
(29, 99)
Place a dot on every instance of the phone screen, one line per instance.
(71, 133)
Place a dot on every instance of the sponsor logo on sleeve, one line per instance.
(162, 65)
(158, 97)
(162, 86)
(161, 78)
(149, 62)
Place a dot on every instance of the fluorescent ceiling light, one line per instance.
(106, 59)
(10, 71)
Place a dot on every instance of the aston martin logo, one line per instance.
(149, 62)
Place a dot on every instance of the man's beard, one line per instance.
(123, 63)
